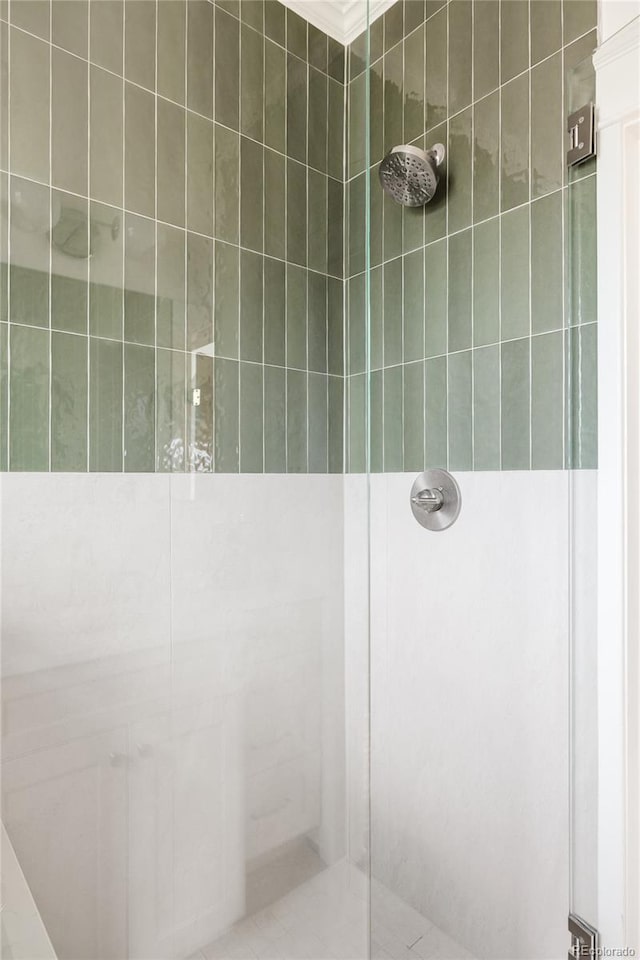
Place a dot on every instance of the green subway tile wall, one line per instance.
(171, 248)
(482, 304)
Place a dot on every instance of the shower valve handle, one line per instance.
(429, 499)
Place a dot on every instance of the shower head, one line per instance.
(410, 175)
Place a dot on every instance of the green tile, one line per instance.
(251, 300)
(317, 221)
(29, 399)
(4, 95)
(69, 306)
(317, 48)
(105, 156)
(171, 411)
(486, 408)
(275, 423)
(139, 43)
(171, 49)
(486, 158)
(274, 312)
(106, 45)
(358, 53)
(357, 226)
(514, 33)
(460, 402)
(252, 12)
(393, 25)
(357, 324)
(318, 423)
(376, 232)
(200, 417)
(376, 113)
(486, 50)
(515, 405)
(435, 215)
(69, 25)
(460, 170)
(296, 213)
(297, 89)
(486, 282)
(412, 228)
(436, 79)
(296, 317)
(296, 34)
(28, 287)
(199, 292)
(226, 300)
(582, 248)
(546, 28)
(335, 327)
(31, 15)
(357, 423)
(199, 174)
(200, 80)
(547, 133)
(4, 395)
(393, 312)
(296, 421)
(275, 21)
(139, 409)
(413, 306)
(376, 319)
(139, 280)
(227, 70)
(336, 60)
(460, 282)
(514, 290)
(106, 279)
(275, 74)
(139, 151)
(251, 194)
(318, 120)
(414, 15)
(515, 142)
(335, 222)
(582, 452)
(170, 164)
(547, 407)
(375, 436)
(251, 418)
(29, 98)
(170, 317)
(393, 417)
(579, 16)
(317, 322)
(232, 7)
(393, 97)
(436, 412)
(579, 88)
(69, 359)
(460, 58)
(335, 133)
(546, 264)
(336, 425)
(69, 121)
(392, 218)
(227, 184)
(251, 81)
(414, 67)
(227, 415)
(413, 416)
(435, 279)
(105, 406)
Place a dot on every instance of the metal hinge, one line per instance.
(582, 135)
(584, 938)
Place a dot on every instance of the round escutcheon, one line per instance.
(435, 499)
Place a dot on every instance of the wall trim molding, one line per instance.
(344, 20)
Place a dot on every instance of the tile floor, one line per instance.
(326, 918)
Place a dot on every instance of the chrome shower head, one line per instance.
(410, 175)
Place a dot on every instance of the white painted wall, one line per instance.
(173, 666)
(469, 718)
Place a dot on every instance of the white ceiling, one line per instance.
(342, 19)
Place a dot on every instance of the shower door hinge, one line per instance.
(584, 938)
(582, 135)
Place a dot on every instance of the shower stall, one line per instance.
(251, 707)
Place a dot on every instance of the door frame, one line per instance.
(617, 66)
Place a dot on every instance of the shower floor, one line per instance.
(326, 918)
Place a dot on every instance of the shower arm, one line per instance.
(429, 499)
